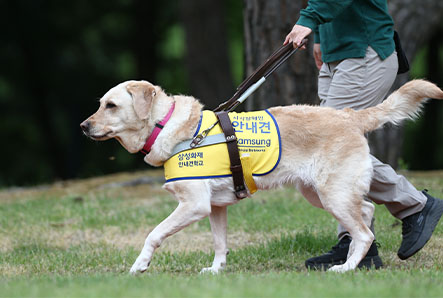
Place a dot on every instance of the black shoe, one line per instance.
(338, 254)
(417, 228)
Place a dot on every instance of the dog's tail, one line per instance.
(404, 103)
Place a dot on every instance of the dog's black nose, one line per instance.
(85, 125)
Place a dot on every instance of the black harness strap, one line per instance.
(234, 155)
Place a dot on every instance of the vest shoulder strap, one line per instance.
(234, 155)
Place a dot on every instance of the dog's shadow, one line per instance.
(285, 252)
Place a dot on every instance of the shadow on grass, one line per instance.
(287, 253)
(284, 253)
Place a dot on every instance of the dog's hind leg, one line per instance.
(367, 215)
(346, 208)
(194, 204)
(218, 220)
(309, 193)
(362, 238)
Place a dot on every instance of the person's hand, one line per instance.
(297, 34)
(317, 55)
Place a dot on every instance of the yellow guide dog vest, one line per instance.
(258, 143)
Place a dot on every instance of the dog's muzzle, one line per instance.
(85, 126)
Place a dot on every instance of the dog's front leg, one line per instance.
(184, 215)
(194, 205)
(218, 220)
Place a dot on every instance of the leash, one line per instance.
(250, 84)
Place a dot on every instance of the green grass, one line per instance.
(80, 239)
(270, 284)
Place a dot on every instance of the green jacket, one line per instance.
(345, 28)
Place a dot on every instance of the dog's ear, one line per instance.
(143, 95)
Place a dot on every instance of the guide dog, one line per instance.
(324, 154)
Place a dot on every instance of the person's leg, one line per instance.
(418, 211)
(361, 83)
(345, 84)
(325, 78)
(394, 191)
(399, 196)
(324, 81)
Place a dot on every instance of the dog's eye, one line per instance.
(110, 105)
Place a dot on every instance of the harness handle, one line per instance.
(265, 70)
(251, 83)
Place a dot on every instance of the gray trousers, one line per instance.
(359, 83)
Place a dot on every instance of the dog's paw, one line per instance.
(211, 270)
(139, 267)
(339, 268)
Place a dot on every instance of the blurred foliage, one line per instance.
(423, 144)
(58, 58)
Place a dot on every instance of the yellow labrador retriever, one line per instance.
(324, 153)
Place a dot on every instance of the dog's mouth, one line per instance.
(100, 137)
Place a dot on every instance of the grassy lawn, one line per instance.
(80, 238)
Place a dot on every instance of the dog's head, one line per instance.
(124, 112)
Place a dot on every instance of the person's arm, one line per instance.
(317, 56)
(317, 12)
(317, 49)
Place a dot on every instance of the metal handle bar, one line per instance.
(265, 70)
(248, 86)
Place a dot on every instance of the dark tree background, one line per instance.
(58, 58)
(266, 24)
(206, 58)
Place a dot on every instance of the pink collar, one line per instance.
(157, 129)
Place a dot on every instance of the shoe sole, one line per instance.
(367, 263)
(435, 213)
